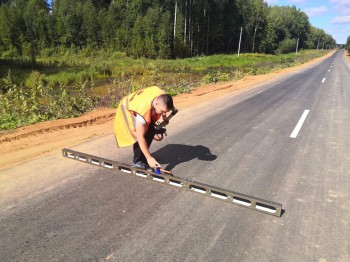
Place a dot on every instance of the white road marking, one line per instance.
(300, 124)
(324, 79)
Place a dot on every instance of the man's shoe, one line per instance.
(141, 165)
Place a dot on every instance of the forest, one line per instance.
(154, 29)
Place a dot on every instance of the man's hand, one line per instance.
(165, 121)
(152, 162)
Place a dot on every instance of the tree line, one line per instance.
(154, 28)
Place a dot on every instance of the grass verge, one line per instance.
(71, 84)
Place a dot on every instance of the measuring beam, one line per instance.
(228, 196)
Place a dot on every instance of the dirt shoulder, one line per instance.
(34, 141)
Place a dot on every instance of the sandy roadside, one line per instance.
(31, 142)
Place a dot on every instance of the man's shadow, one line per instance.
(174, 154)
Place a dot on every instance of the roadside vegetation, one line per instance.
(59, 59)
(347, 45)
(62, 87)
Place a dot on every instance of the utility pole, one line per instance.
(208, 35)
(318, 43)
(240, 38)
(296, 49)
(175, 28)
(185, 29)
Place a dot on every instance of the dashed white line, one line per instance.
(299, 125)
(324, 79)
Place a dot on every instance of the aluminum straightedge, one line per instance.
(228, 196)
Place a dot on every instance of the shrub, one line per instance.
(22, 105)
(214, 77)
(286, 46)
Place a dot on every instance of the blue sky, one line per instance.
(333, 16)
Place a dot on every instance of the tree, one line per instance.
(288, 23)
(315, 38)
(91, 26)
(163, 36)
(36, 27)
(151, 25)
(252, 17)
(153, 28)
(115, 27)
(11, 30)
(137, 43)
(101, 4)
(347, 45)
(23, 33)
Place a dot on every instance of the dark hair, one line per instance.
(167, 100)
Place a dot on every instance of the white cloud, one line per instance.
(316, 11)
(341, 20)
(297, 1)
(342, 6)
(341, 2)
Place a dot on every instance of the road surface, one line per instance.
(286, 141)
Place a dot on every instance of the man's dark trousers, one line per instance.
(138, 155)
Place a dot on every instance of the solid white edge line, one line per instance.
(300, 124)
(324, 79)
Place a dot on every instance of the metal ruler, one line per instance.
(228, 196)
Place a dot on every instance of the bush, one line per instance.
(217, 76)
(22, 105)
(119, 55)
(347, 45)
(286, 46)
(11, 53)
(59, 86)
(35, 80)
(47, 52)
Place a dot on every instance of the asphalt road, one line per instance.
(241, 143)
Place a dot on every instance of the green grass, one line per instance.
(70, 84)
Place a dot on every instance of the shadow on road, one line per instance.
(174, 154)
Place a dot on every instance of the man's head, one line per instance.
(163, 104)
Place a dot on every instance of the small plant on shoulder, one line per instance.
(214, 77)
(238, 74)
(38, 101)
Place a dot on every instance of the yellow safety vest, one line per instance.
(139, 102)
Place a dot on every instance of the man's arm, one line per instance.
(140, 135)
